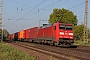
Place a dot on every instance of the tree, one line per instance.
(5, 33)
(63, 15)
(78, 32)
(89, 34)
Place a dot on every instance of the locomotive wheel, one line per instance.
(52, 43)
(65, 45)
(56, 44)
(31, 41)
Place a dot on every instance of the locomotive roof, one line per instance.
(45, 26)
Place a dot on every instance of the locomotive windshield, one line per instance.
(63, 27)
(68, 27)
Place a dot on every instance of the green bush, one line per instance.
(79, 42)
(9, 53)
(88, 43)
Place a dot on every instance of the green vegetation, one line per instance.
(9, 53)
(78, 32)
(79, 35)
(63, 15)
(88, 44)
(89, 34)
(5, 34)
(79, 42)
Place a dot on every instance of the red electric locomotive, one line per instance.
(58, 34)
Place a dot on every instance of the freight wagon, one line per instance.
(32, 34)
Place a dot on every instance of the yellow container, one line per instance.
(21, 34)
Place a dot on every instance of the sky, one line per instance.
(24, 14)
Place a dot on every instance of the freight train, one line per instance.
(53, 34)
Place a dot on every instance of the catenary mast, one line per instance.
(86, 23)
(1, 20)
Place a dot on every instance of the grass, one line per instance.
(78, 42)
(88, 44)
(9, 53)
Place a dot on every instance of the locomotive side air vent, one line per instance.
(45, 24)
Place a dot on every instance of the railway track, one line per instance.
(55, 55)
(80, 50)
(57, 52)
(84, 47)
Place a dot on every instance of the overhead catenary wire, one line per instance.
(16, 2)
(40, 4)
(55, 3)
(31, 10)
(49, 6)
(21, 9)
(44, 8)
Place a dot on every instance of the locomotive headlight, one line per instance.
(70, 33)
(62, 33)
(71, 37)
(60, 36)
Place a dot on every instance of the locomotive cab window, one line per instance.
(68, 27)
(62, 27)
